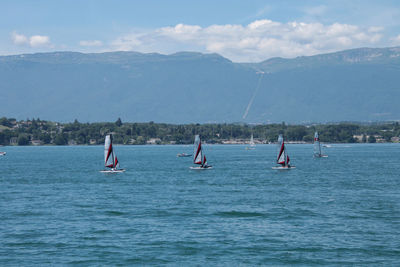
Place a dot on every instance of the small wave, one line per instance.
(114, 213)
(30, 213)
(27, 244)
(103, 231)
(240, 214)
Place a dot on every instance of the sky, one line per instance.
(242, 31)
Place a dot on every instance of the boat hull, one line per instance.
(183, 155)
(201, 168)
(3, 153)
(283, 168)
(113, 171)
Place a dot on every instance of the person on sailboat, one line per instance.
(204, 164)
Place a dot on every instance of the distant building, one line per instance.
(13, 141)
(93, 141)
(36, 142)
(153, 141)
(72, 143)
(132, 141)
(358, 138)
(395, 139)
(233, 142)
(379, 139)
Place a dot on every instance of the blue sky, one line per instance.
(243, 31)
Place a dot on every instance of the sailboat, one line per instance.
(252, 144)
(283, 157)
(199, 157)
(317, 147)
(110, 158)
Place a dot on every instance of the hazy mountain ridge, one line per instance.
(107, 57)
(359, 84)
(347, 57)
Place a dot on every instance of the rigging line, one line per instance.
(254, 95)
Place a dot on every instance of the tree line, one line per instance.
(36, 131)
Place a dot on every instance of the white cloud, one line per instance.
(90, 43)
(375, 29)
(33, 41)
(254, 42)
(39, 41)
(19, 39)
(396, 40)
(128, 42)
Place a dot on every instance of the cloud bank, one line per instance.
(254, 42)
(32, 41)
(90, 43)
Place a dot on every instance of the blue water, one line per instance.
(56, 207)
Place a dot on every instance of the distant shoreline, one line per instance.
(38, 132)
(205, 144)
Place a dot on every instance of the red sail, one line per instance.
(109, 152)
(115, 162)
(280, 154)
(197, 153)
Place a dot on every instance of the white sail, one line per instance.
(317, 146)
(109, 152)
(283, 157)
(110, 158)
(252, 140)
(204, 161)
(198, 151)
(198, 155)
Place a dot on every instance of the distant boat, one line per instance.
(283, 157)
(199, 156)
(317, 147)
(252, 144)
(110, 158)
(179, 155)
(3, 153)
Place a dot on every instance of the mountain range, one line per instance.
(352, 85)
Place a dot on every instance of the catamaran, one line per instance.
(199, 156)
(317, 147)
(283, 157)
(110, 158)
(252, 144)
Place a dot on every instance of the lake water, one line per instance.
(56, 207)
